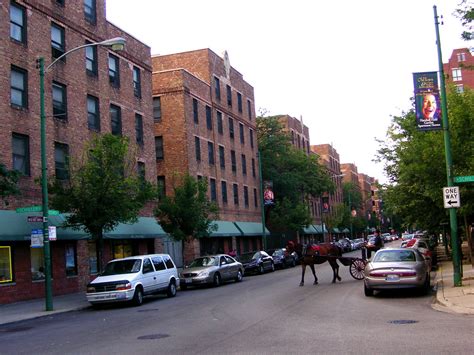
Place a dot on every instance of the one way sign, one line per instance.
(451, 197)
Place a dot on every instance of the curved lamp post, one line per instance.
(116, 43)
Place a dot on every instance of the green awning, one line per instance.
(319, 228)
(250, 229)
(345, 230)
(336, 230)
(146, 227)
(226, 229)
(310, 230)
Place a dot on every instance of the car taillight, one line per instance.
(407, 273)
(121, 287)
(386, 273)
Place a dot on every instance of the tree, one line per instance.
(188, 213)
(103, 189)
(465, 13)
(8, 183)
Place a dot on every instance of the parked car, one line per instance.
(387, 237)
(406, 238)
(423, 247)
(357, 243)
(281, 257)
(345, 244)
(257, 262)
(396, 268)
(131, 278)
(211, 270)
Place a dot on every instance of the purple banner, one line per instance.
(427, 101)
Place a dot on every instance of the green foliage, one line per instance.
(188, 213)
(465, 13)
(8, 182)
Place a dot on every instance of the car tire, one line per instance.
(138, 296)
(272, 268)
(293, 262)
(261, 270)
(427, 285)
(217, 280)
(368, 291)
(171, 292)
(239, 276)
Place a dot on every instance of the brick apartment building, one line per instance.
(204, 114)
(298, 131)
(458, 70)
(92, 91)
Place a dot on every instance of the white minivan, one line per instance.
(129, 279)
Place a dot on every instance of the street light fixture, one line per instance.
(116, 43)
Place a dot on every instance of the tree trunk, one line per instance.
(100, 251)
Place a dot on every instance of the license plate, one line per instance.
(392, 278)
(188, 281)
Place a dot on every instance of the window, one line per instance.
(92, 248)
(58, 47)
(249, 109)
(159, 263)
(141, 172)
(59, 101)
(161, 184)
(157, 109)
(235, 188)
(461, 57)
(37, 263)
(255, 198)
(19, 87)
(460, 89)
(210, 152)
(229, 95)
(239, 102)
(233, 161)
(220, 128)
(221, 157)
(137, 82)
(116, 120)
(244, 164)
(242, 135)
(71, 259)
(251, 137)
(93, 118)
(169, 264)
(61, 154)
(21, 153)
(159, 148)
(60, 2)
(123, 248)
(91, 60)
(139, 128)
(213, 190)
(246, 196)
(457, 76)
(253, 167)
(224, 192)
(217, 87)
(18, 23)
(231, 128)
(114, 71)
(6, 272)
(195, 111)
(90, 11)
(208, 118)
(197, 148)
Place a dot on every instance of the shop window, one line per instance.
(37, 264)
(6, 273)
(71, 259)
(124, 248)
(92, 257)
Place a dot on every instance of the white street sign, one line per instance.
(451, 197)
(52, 233)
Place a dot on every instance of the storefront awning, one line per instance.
(319, 228)
(251, 229)
(145, 227)
(345, 230)
(310, 230)
(225, 229)
(336, 230)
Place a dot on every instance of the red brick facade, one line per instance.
(458, 71)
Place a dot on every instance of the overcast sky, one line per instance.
(344, 66)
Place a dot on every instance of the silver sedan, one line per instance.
(396, 268)
(211, 270)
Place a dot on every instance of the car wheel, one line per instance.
(427, 285)
(138, 296)
(368, 292)
(239, 276)
(261, 270)
(293, 263)
(171, 289)
(217, 280)
(272, 267)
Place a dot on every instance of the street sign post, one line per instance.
(30, 209)
(451, 197)
(35, 219)
(461, 179)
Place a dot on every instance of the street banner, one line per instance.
(268, 195)
(427, 101)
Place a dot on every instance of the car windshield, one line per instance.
(276, 252)
(248, 256)
(128, 266)
(394, 256)
(205, 261)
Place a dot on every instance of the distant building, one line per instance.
(298, 131)
(458, 70)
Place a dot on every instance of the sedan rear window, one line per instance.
(128, 266)
(394, 256)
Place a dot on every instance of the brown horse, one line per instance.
(316, 254)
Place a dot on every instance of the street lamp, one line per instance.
(116, 43)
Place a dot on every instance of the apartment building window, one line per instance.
(213, 189)
(70, 254)
(460, 88)
(18, 23)
(220, 128)
(457, 75)
(255, 198)
(58, 46)
(197, 148)
(244, 164)
(461, 57)
(246, 196)
(231, 128)
(114, 71)
(242, 135)
(59, 101)
(61, 154)
(224, 192)
(159, 152)
(210, 152)
(249, 109)
(221, 157)
(209, 118)
(161, 185)
(292, 137)
(253, 167)
(93, 118)
(233, 161)
(91, 60)
(157, 109)
(217, 88)
(139, 128)
(239, 102)
(235, 189)
(60, 2)
(251, 137)
(137, 82)
(116, 120)
(195, 111)
(90, 13)
(229, 95)
(21, 153)
(141, 172)
(19, 87)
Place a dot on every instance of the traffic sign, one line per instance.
(461, 179)
(35, 219)
(451, 197)
(29, 209)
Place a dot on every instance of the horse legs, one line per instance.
(314, 274)
(303, 269)
(335, 270)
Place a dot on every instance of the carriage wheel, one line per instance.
(357, 269)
